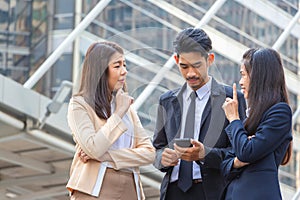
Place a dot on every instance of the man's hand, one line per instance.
(194, 153)
(83, 156)
(169, 158)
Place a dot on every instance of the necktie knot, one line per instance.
(193, 96)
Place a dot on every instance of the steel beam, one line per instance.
(67, 42)
(272, 13)
(25, 162)
(224, 44)
(170, 63)
(284, 35)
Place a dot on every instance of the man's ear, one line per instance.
(176, 57)
(211, 58)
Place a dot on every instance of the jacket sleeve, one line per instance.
(160, 141)
(93, 143)
(142, 153)
(227, 169)
(275, 127)
(216, 155)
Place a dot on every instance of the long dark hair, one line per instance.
(266, 88)
(94, 79)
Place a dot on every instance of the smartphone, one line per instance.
(183, 142)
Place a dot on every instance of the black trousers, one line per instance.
(194, 193)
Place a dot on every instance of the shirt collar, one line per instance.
(113, 103)
(201, 92)
(247, 112)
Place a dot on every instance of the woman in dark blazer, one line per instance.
(263, 141)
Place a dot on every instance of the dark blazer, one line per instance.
(264, 152)
(212, 135)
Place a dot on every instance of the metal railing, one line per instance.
(297, 195)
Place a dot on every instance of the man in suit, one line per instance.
(193, 111)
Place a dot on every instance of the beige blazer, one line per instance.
(94, 136)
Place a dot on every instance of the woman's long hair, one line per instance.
(267, 87)
(94, 79)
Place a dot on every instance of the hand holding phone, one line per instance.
(183, 142)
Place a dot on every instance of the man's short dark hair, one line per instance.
(192, 40)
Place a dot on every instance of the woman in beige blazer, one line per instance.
(111, 143)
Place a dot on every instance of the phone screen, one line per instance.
(183, 142)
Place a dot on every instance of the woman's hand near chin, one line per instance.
(123, 102)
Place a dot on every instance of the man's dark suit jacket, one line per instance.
(264, 152)
(212, 135)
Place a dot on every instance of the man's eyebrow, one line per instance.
(197, 63)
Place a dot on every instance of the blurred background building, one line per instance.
(42, 46)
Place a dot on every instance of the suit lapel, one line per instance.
(213, 117)
(206, 112)
(177, 112)
(177, 108)
(217, 121)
